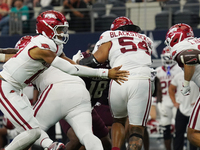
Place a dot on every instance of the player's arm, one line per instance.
(172, 91)
(66, 58)
(100, 56)
(57, 62)
(7, 53)
(8, 50)
(188, 72)
(152, 112)
(158, 91)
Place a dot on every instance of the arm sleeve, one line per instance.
(78, 70)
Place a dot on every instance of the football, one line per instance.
(189, 57)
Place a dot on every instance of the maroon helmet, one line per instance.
(53, 24)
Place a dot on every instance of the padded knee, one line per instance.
(167, 132)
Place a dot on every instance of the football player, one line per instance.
(185, 50)
(165, 74)
(184, 106)
(34, 57)
(98, 89)
(124, 45)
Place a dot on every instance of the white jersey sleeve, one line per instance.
(22, 69)
(44, 43)
(191, 43)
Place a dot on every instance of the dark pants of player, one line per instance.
(181, 122)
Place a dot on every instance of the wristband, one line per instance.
(103, 73)
(186, 83)
(2, 57)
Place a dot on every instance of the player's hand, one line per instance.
(185, 90)
(118, 75)
(78, 56)
(176, 104)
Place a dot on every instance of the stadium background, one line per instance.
(154, 18)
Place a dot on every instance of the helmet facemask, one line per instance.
(61, 35)
(167, 60)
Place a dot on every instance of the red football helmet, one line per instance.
(178, 33)
(166, 57)
(53, 25)
(124, 21)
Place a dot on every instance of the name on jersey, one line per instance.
(125, 33)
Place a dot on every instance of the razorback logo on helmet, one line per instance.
(50, 15)
(172, 30)
(45, 46)
(100, 37)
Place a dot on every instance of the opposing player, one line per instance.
(33, 58)
(185, 50)
(165, 74)
(123, 44)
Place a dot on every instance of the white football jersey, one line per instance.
(129, 49)
(165, 82)
(21, 69)
(53, 75)
(186, 102)
(190, 43)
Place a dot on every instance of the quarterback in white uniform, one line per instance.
(68, 97)
(185, 50)
(123, 45)
(34, 56)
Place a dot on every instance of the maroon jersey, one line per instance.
(97, 87)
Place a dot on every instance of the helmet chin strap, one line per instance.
(58, 41)
(65, 36)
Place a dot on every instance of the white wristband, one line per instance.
(2, 57)
(103, 73)
(186, 83)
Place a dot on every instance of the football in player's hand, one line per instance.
(189, 57)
